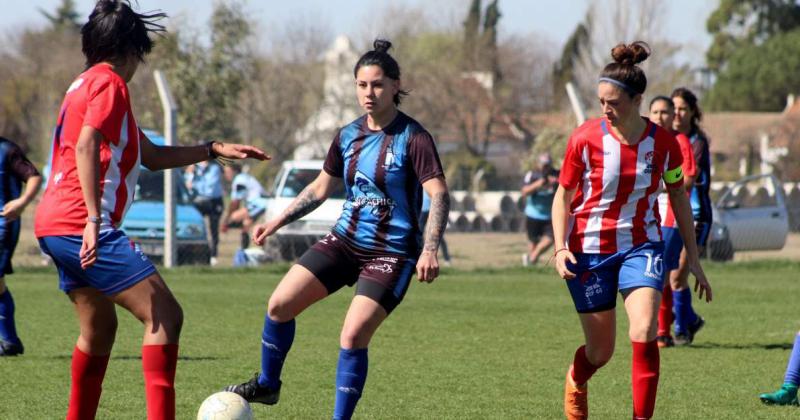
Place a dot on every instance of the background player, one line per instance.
(15, 169)
(97, 150)
(538, 188)
(247, 203)
(204, 180)
(687, 120)
(606, 230)
(662, 112)
(385, 159)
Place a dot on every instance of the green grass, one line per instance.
(480, 344)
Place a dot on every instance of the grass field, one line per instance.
(475, 344)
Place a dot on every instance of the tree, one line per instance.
(65, 16)
(564, 69)
(759, 77)
(737, 24)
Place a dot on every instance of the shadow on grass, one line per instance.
(743, 346)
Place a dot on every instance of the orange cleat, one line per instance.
(576, 398)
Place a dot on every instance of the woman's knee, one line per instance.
(643, 331)
(353, 337)
(280, 309)
(599, 355)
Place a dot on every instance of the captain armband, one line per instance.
(673, 176)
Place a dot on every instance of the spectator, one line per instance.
(204, 181)
(247, 202)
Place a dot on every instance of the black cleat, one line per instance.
(687, 338)
(253, 392)
(8, 348)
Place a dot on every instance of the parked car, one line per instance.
(294, 239)
(751, 215)
(144, 222)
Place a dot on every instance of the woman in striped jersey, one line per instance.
(385, 159)
(606, 229)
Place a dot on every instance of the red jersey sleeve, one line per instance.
(334, 163)
(573, 166)
(105, 109)
(689, 165)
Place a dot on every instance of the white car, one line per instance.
(292, 240)
(751, 215)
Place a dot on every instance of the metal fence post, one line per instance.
(170, 109)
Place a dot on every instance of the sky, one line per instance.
(553, 19)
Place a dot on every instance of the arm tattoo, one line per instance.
(305, 203)
(437, 221)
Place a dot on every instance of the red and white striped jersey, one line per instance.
(689, 169)
(97, 98)
(614, 207)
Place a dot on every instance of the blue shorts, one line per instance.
(600, 276)
(256, 207)
(673, 245)
(120, 263)
(9, 235)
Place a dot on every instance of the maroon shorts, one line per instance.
(381, 276)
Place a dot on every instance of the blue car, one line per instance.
(144, 222)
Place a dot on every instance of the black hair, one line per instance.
(691, 99)
(624, 69)
(381, 58)
(114, 32)
(666, 99)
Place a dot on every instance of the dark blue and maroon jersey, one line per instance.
(383, 172)
(15, 169)
(700, 195)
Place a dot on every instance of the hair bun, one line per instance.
(630, 55)
(381, 45)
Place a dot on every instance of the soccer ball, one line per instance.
(224, 406)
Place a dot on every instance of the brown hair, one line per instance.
(624, 69)
(691, 99)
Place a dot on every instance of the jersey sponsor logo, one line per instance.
(648, 160)
(367, 194)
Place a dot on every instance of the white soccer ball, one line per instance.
(225, 406)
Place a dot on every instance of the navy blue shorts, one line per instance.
(9, 236)
(120, 262)
(380, 276)
(673, 245)
(598, 277)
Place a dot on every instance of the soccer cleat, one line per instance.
(684, 339)
(253, 392)
(576, 398)
(787, 395)
(665, 341)
(8, 348)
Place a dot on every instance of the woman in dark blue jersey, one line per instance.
(385, 160)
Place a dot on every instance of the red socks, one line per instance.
(582, 370)
(87, 383)
(644, 378)
(665, 316)
(158, 364)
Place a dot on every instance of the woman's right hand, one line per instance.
(88, 251)
(561, 256)
(262, 231)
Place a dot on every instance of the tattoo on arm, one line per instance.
(437, 221)
(305, 203)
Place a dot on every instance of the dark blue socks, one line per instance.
(684, 314)
(351, 374)
(793, 369)
(276, 340)
(8, 330)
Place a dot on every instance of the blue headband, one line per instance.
(631, 91)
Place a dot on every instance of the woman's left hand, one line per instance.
(427, 266)
(701, 285)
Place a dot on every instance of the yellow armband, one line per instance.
(673, 175)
